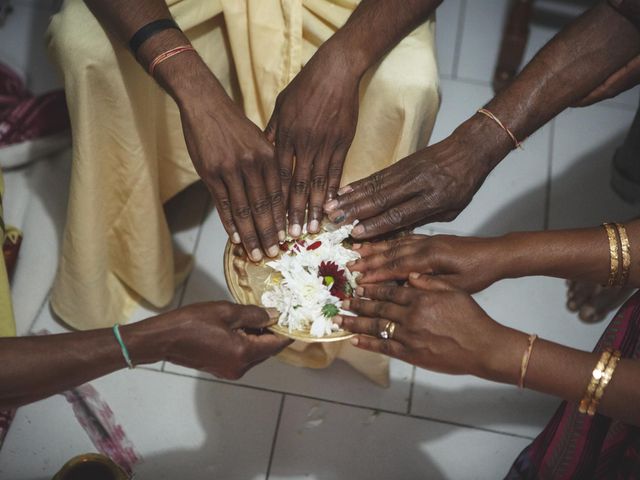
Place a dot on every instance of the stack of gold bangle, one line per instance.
(619, 253)
(600, 378)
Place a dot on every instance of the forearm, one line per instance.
(565, 373)
(581, 254)
(376, 26)
(185, 76)
(571, 65)
(37, 367)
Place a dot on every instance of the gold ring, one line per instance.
(388, 330)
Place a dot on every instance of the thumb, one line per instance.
(250, 316)
(428, 282)
(264, 346)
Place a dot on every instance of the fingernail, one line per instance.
(359, 230)
(354, 341)
(359, 291)
(414, 275)
(351, 263)
(346, 304)
(273, 313)
(339, 219)
(331, 206)
(256, 255)
(314, 226)
(282, 236)
(356, 246)
(295, 230)
(235, 238)
(337, 320)
(346, 189)
(572, 305)
(273, 250)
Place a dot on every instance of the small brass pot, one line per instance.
(91, 466)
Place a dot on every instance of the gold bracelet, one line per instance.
(596, 375)
(487, 113)
(614, 261)
(524, 365)
(604, 381)
(625, 248)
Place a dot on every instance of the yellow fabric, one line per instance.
(129, 155)
(7, 323)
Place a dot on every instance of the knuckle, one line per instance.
(300, 187)
(268, 232)
(262, 206)
(319, 182)
(334, 172)
(284, 173)
(276, 198)
(242, 212)
(394, 216)
(379, 201)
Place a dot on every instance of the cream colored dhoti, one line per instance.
(129, 155)
(7, 323)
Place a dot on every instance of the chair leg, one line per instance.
(514, 42)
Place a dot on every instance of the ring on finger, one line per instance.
(388, 331)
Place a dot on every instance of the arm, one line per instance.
(228, 151)
(438, 182)
(205, 336)
(473, 263)
(315, 117)
(441, 328)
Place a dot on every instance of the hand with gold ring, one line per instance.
(429, 324)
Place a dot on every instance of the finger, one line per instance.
(270, 131)
(367, 326)
(318, 190)
(242, 216)
(358, 190)
(620, 81)
(299, 193)
(385, 293)
(390, 348)
(428, 283)
(335, 172)
(373, 248)
(250, 317)
(373, 308)
(223, 204)
(400, 215)
(260, 202)
(284, 155)
(261, 347)
(276, 196)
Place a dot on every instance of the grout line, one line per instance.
(459, 35)
(346, 404)
(547, 199)
(275, 436)
(413, 379)
(205, 210)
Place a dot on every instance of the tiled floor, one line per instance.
(281, 422)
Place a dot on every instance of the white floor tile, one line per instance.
(584, 143)
(182, 427)
(324, 441)
(339, 383)
(447, 34)
(532, 305)
(513, 196)
(483, 26)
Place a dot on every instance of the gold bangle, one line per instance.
(614, 261)
(524, 365)
(596, 375)
(625, 248)
(487, 113)
(604, 381)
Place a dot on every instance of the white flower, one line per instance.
(301, 294)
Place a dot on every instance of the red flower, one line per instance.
(334, 278)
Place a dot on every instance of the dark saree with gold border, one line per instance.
(576, 446)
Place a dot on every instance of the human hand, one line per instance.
(236, 162)
(431, 185)
(622, 80)
(468, 263)
(216, 337)
(314, 120)
(438, 328)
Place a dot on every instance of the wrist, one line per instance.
(150, 340)
(347, 58)
(503, 355)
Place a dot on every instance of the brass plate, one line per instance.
(246, 282)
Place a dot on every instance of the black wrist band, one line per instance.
(149, 30)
